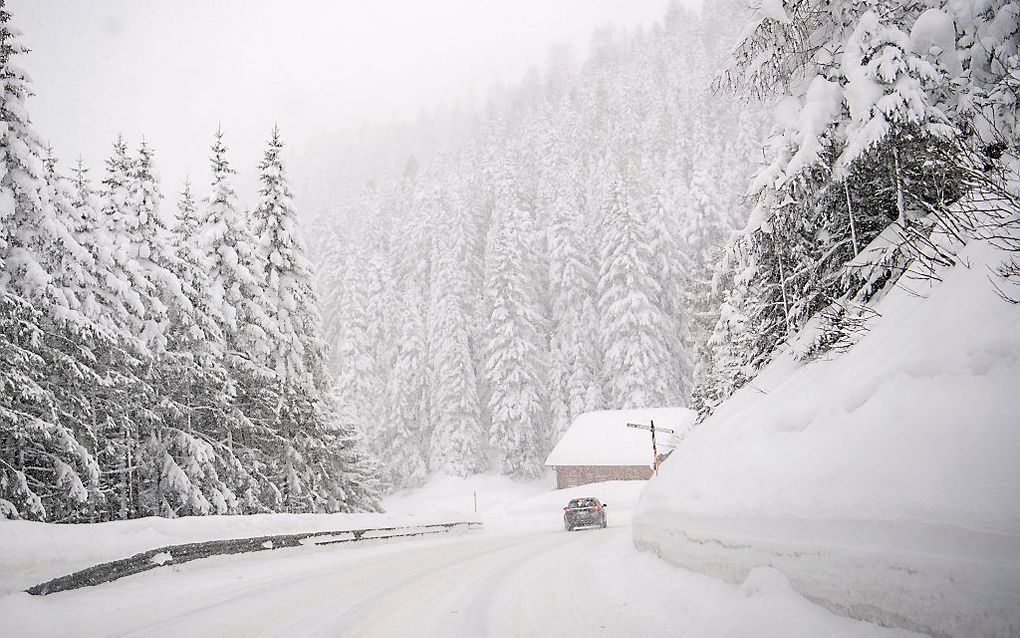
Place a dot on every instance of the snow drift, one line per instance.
(884, 482)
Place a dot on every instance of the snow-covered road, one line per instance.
(504, 583)
(467, 585)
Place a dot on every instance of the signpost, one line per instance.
(655, 450)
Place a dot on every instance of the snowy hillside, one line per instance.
(884, 482)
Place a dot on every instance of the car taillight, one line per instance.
(597, 508)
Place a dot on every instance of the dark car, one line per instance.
(584, 512)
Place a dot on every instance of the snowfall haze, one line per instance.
(172, 71)
(584, 317)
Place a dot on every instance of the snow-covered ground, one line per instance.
(509, 506)
(492, 493)
(522, 576)
(884, 482)
(32, 553)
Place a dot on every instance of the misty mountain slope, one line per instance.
(551, 257)
(882, 481)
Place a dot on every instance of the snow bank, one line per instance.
(31, 552)
(884, 482)
(691, 604)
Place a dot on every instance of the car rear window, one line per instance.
(582, 502)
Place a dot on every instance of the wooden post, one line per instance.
(655, 448)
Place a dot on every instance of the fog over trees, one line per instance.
(548, 245)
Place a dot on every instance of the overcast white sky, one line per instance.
(172, 70)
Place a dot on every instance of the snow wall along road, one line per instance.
(884, 482)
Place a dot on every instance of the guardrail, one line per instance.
(177, 554)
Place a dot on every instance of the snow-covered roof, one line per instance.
(603, 438)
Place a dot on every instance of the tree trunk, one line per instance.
(850, 214)
(900, 206)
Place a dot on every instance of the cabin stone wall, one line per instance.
(573, 475)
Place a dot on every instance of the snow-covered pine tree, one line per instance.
(382, 289)
(988, 50)
(119, 222)
(325, 470)
(457, 434)
(898, 126)
(673, 279)
(144, 255)
(115, 295)
(100, 357)
(635, 332)
(728, 361)
(286, 272)
(73, 267)
(406, 460)
(125, 403)
(236, 294)
(146, 236)
(514, 347)
(371, 332)
(383, 333)
(330, 271)
(359, 384)
(46, 468)
(574, 367)
(858, 144)
(121, 390)
(704, 230)
(193, 465)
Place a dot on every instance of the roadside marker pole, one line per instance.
(655, 449)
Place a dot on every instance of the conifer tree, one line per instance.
(152, 249)
(673, 278)
(634, 329)
(190, 466)
(358, 383)
(573, 371)
(235, 294)
(46, 469)
(514, 350)
(456, 446)
(119, 222)
(406, 459)
(322, 478)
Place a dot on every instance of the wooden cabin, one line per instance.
(598, 446)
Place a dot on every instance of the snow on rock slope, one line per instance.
(884, 482)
